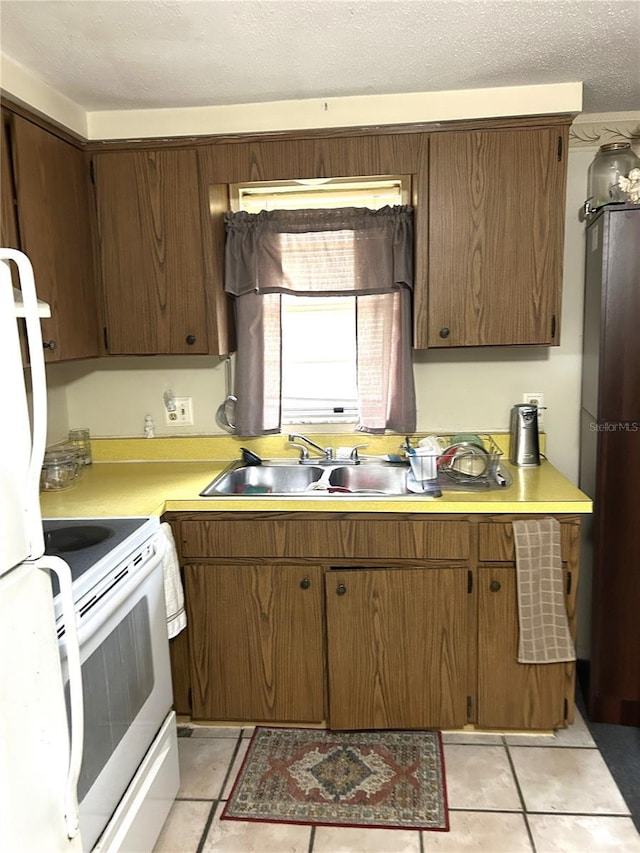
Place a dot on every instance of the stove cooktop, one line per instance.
(94, 545)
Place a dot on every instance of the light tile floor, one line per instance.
(507, 794)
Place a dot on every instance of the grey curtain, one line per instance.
(357, 252)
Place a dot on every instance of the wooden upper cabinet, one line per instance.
(496, 202)
(152, 252)
(8, 223)
(53, 217)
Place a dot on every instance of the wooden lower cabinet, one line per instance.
(514, 695)
(339, 619)
(396, 647)
(257, 642)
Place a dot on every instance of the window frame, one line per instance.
(253, 196)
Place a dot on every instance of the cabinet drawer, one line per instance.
(495, 541)
(327, 538)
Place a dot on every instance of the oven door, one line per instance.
(126, 679)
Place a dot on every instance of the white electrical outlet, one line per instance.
(535, 398)
(183, 415)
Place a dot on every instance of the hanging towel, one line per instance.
(173, 593)
(542, 613)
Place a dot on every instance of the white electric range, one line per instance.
(129, 774)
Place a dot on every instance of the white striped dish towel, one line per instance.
(173, 592)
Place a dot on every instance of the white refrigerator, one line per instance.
(40, 740)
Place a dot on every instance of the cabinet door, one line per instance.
(514, 695)
(397, 647)
(52, 188)
(256, 638)
(8, 222)
(9, 238)
(495, 238)
(151, 251)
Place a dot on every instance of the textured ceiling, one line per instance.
(134, 54)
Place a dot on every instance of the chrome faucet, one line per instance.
(326, 452)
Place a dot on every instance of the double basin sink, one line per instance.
(284, 478)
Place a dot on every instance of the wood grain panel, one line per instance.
(9, 222)
(288, 159)
(512, 695)
(397, 648)
(220, 309)
(496, 226)
(256, 635)
(151, 246)
(180, 657)
(52, 186)
(619, 396)
(331, 539)
(496, 543)
(615, 651)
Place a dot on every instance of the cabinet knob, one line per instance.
(444, 332)
(305, 583)
(191, 339)
(494, 586)
(51, 345)
(341, 589)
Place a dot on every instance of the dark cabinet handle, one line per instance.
(341, 589)
(305, 583)
(494, 586)
(51, 345)
(191, 339)
(444, 332)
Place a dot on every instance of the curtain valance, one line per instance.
(342, 252)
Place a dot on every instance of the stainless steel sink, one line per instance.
(284, 478)
(280, 477)
(271, 478)
(385, 477)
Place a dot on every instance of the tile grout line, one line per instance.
(520, 795)
(477, 810)
(214, 806)
(230, 767)
(207, 827)
(580, 814)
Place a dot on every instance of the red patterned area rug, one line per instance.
(373, 779)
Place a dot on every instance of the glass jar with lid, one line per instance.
(59, 470)
(611, 161)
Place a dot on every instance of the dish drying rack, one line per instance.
(466, 463)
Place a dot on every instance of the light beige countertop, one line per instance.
(154, 486)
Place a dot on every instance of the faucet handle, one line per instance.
(354, 452)
(304, 453)
(349, 453)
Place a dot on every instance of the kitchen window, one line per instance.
(312, 296)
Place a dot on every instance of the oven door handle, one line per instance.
(113, 602)
(76, 706)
